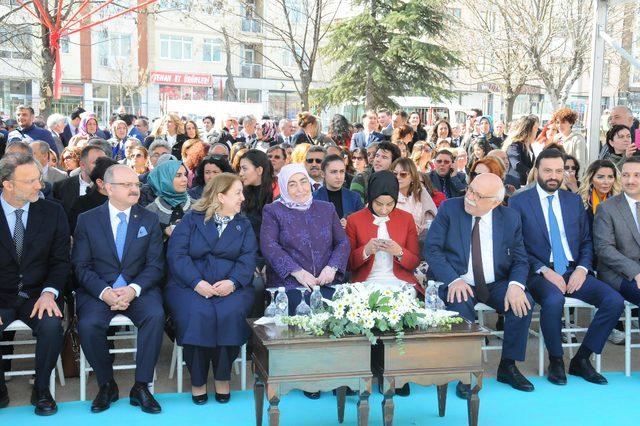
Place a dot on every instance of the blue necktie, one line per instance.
(121, 235)
(560, 262)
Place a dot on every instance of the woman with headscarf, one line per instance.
(169, 182)
(267, 135)
(383, 238)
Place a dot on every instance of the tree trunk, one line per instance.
(46, 76)
(305, 83)
(510, 100)
(230, 92)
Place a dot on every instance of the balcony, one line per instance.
(251, 25)
(250, 70)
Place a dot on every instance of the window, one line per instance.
(248, 67)
(112, 46)
(249, 23)
(456, 12)
(64, 44)
(175, 47)
(212, 50)
(295, 11)
(174, 4)
(288, 59)
(249, 95)
(15, 41)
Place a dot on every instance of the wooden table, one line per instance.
(286, 358)
(431, 358)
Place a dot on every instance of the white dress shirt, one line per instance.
(486, 248)
(84, 186)
(115, 220)
(10, 215)
(632, 206)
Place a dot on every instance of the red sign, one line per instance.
(72, 90)
(181, 79)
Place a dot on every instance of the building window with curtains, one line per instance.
(212, 50)
(175, 47)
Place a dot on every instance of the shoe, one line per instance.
(312, 395)
(200, 399)
(4, 396)
(107, 394)
(463, 391)
(556, 373)
(223, 398)
(510, 375)
(616, 337)
(141, 397)
(404, 391)
(44, 402)
(583, 368)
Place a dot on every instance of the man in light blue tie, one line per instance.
(558, 241)
(117, 255)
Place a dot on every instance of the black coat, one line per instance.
(90, 200)
(520, 163)
(67, 192)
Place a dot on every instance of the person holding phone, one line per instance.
(445, 177)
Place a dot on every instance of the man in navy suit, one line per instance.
(117, 255)
(369, 135)
(344, 200)
(558, 241)
(34, 266)
(474, 246)
(71, 128)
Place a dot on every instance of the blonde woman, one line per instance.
(299, 153)
(212, 256)
(600, 182)
(422, 155)
(171, 129)
(120, 132)
(518, 147)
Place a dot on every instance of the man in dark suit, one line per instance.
(370, 133)
(558, 241)
(475, 247)
(71, 129)
(616, 237)
(344, 200)
(34, 265)
(69, 190)
(117, 255)
(445, 178)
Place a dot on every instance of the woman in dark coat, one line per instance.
(518, 148)
(211, 258)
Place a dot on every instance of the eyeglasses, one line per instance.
(471, 191)
(274, 157)
(443, 162)
(314, 160)
(138, 155)
(573, 168)
(128, 185)
(401, 175)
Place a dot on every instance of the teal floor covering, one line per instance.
(578, 403)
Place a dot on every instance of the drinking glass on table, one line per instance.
(270, 311)
(303, 309)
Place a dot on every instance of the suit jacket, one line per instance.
(457, 184)
(95, 258)
(448, 244)
(520, 163)
(351, 201)
(536, 234)
(45, 253)
(54, 175)
(67, 192)
(402, 229)
(617, 242)
(358, 140)
(66, 135)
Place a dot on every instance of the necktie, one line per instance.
(316, 186)
(121, 234)
(560, 262)
(18, 241)
(482, 290)
(638, 215)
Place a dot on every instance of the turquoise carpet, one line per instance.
(578, 403)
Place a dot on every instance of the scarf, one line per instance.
(283, 180)
(595, 200)
(221, 222)
(161, 181)
(382, 183)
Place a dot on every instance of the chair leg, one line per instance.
(83, 376)
(540, 353)
(172, 366)
(52, 383)
(567, 325)
(243, 366)
(60, 372)
(627, 340)
(179, 367)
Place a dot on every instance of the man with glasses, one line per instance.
(475, 248)
(386, 154)
(445, 177)
(117, 255)
(34, 266)
(313, 160)
(278, 157)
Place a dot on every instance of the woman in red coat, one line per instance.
(384, 240)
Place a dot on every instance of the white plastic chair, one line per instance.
(628, 329)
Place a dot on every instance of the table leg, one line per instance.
(363, 406)
(389, 390)
(274, 412)
(473, 403)
(258, 396)
(341, 394)
(442, 399)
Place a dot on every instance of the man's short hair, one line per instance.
(15, 147)
(77, 112)
(630, 160)
(317, 148)
(401, 113)
(127, 118)
(209, 117)
(108, 174)
(101, 166)
(282, 122)
(104, 145)
(23, 107)
(10, 162)
(392, 148)
(330, 159)
(55, 119)
(159, 144)
(445, 152)
(87, 149)
(384, 111)
(278, 148)
(548, 153)
(40, 146)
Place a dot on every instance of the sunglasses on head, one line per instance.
(314, 160)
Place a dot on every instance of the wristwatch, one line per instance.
(543, 270)
(399, 257)
(233, 286)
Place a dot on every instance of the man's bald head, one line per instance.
(621, 115)
(122, 186)
(484, 194)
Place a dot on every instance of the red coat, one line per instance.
(402, 230)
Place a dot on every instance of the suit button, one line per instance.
(20, 275)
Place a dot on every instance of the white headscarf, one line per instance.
(283, 181)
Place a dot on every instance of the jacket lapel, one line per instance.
(34, 222)
(132, 229)
(5, 236)
(105, 222)
(208, 230)
(465, 235)
(497, 230)
(536, 208)
(627, 215)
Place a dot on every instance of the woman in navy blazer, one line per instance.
(212, 256)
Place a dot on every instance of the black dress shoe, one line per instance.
(556, 374)
(4, 396)
(223, 398)
(44, 402)
(463, 391)
(510, 375)
(107, 394)
(312, 395)
(141, 397)
(583, 368)
(404, 391)
(200, 399)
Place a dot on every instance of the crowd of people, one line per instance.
(181, 229)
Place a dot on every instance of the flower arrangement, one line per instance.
(358, 309)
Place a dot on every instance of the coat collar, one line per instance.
(624, 209)
(210, 232)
